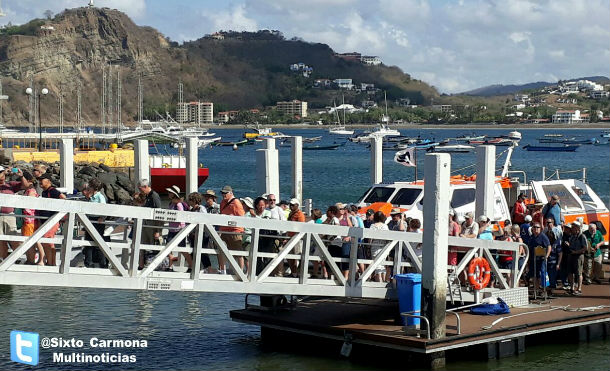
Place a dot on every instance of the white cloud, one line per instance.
(234, 18)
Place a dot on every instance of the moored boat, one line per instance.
(552, 148)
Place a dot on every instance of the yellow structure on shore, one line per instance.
(111, 158)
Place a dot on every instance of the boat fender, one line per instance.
(479, 273)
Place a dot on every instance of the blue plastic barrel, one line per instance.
(409, 296)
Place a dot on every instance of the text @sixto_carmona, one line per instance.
(94, 343)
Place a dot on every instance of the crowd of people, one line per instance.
(561, 255)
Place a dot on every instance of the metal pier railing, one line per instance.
(398, 251)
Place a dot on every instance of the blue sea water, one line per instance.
(192, 331)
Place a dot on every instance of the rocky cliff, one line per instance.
(73, 48)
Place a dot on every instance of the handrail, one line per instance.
(254, 280)
(411, 315)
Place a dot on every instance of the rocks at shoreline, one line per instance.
(117, 187)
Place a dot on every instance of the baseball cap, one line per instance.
(226, 189)
(482, 218)
(451, 212)
(576, 223)
(468, 216)
(370, 212)
(294, 201)
(395, 211)
(209, 193)
(528, 218)
(555, 197)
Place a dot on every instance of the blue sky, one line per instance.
(455, 45)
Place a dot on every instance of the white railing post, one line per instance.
(376, 159)
(486, 179)
(66, 165)
(141, 163)
(297, 168)
(435, 241)
(192, 165)
(268, 169)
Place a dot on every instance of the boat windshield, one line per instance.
(379, 194)
(462, 196)
(566, 199)
(406, 196)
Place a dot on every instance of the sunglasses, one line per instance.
(271, 199)
(536, 227)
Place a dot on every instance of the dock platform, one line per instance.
(375, 323)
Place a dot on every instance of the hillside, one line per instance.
(499, 89)
(245, 70)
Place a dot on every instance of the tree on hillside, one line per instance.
(48, 14)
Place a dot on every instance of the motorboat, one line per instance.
(552, 148)
(452, 148)
(259, 131)
(340, 130)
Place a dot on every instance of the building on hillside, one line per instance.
(371, 60)
(522, 98)
(587, 85)
(369, 104)
(223, 116)
(322, 83)
(599, 94)
(568, 117)
(367, 86)
(344, 83)
(445, 108)
(293, 108)
(353, 56)
(195, 112)
(518, 106)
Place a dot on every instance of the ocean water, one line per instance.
(193, 331)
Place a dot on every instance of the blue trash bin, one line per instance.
(409, 296)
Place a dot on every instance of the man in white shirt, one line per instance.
(276, 212)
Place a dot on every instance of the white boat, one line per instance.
(340, 129)
(452, 148)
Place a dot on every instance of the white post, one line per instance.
(437, 170)
(297, 168)
(268, 169)
(66, 165)
(192, 165)
(376, 159)
(141, 160)
(486, 179)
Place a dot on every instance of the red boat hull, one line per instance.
(162, 178)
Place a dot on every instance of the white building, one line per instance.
(522, 98)
(597, 94)
(567, 117)
(293, 108)
(344, 83)
(195, 112)
(371, 60)
(589, 85)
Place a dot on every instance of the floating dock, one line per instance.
(375, 323)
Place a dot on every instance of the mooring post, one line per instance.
(297, 168)
(437, 170)
(141, 160)
(268, 169)
(376, 159)
(66, 165)
(192, 165)
(486, 179)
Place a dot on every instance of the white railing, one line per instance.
(123, 253)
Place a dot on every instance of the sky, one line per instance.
(454, 45)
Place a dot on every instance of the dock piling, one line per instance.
(485, 182)
(141, 163)
(66, 165)
(297, 168)
(435, 241)
(376, 159)
(268, 169)
(192, 165)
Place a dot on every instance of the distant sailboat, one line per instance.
(340, 129)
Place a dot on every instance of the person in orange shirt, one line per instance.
(519, 210)
(232, 236)
(296, 215)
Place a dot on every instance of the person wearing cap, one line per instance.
(536, 240)
(576, 248)
(210, 202)
(470, 229)
(396, 224)
(232, 236)
(485, 231)
(593, 257)
(519, 209)
(8, 222)
(296, 215)
(48, 191)
(370, 213)
(526, 229)
(150, 234)
(553, 210)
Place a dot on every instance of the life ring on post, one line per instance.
(479, 273)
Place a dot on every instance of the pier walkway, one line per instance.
(123, 254)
